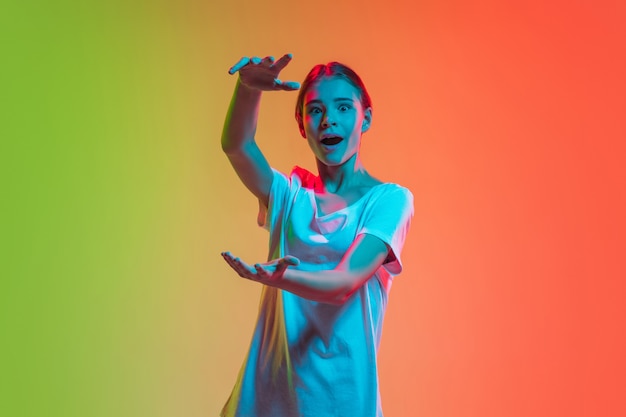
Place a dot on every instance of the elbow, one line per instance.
(336, 297)
(228, 146)
(232, 146)
(232, 151)
(341, 296)
(337, 288)
(345, 292)
(230, 141)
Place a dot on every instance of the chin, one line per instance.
(333, 162)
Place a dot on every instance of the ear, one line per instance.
(367, 120)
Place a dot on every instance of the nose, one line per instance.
(327, 121)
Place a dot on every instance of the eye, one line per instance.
(344, 107)
(314, 110)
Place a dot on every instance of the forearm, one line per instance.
(334, 286)
(241, 119)
(329, 286)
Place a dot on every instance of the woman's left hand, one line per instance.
(269, 273)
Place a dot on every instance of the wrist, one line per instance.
(245, 89)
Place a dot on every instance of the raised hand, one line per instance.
(268, 273)
(262, 74)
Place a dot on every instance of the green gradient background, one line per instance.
(505, 121)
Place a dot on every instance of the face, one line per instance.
(333, 120)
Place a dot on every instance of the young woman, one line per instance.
(335, 245)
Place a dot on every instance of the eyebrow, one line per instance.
(335, 100)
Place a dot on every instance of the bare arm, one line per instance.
(334, 286)
(238, 143)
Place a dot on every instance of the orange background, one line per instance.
(505, 119)
(507, 123)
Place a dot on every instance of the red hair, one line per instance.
(332, 69)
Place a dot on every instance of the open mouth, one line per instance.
(331, 140)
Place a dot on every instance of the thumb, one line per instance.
(286, 85)
(291, 260)
(291, 85)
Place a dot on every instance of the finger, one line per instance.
(260, 271)
(256, 60)
(239, 65)
(238, 265)
(286, 85)
(286, 262)
(228, 256)
(242, 265)
(290, 261)
(268, 61)
(230, 261)
(282, 62)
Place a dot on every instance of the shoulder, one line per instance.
(303, 177)
(387, 188)
(296, 179)
(393, 196)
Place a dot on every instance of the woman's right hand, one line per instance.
(262, 74)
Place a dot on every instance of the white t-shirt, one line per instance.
(313, 359)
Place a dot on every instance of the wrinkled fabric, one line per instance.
(313, 359)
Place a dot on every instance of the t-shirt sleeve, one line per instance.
(279, 192)
(389, 218)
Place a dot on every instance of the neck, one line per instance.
(339, 177)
